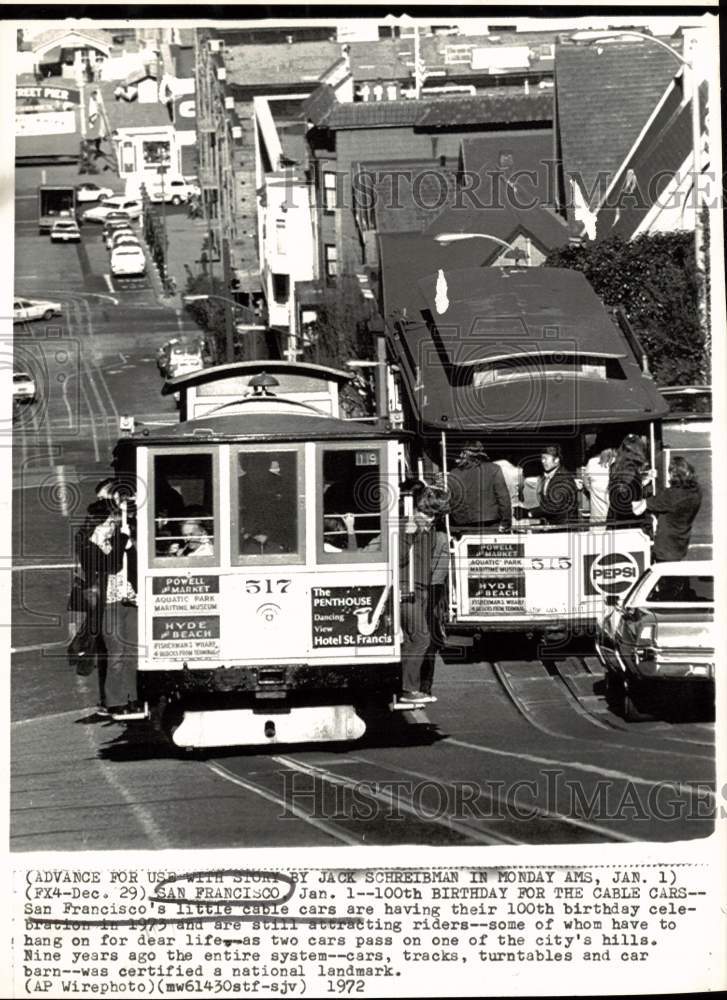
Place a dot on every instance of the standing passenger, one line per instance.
(478, 492)
(596, 476)
(421, 609)
(626, 482)
(676, 507)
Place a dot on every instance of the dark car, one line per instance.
(659, 638)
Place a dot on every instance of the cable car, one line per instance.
(267, 537)
(519, 359)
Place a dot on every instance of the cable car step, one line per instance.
(245, 726)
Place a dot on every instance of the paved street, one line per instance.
(515, 750)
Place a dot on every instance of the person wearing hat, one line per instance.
(478, 491)
(424, 567)
(557, 490)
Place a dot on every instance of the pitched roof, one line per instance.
(496, 107)
(402, 196)
(58, 34)
(604, 97)
(319, 105)
(528, 155)
(373, 114)
(493, 108)
(130, 114)
(649, 168)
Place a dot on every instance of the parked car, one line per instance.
(128, 261)
(120, 229)
(689, 405)
(23, 388)
(29, 309)
(119, 203)
(122, 238)
(176, 190)
(92, 192)
(65, 232)
(660, 637)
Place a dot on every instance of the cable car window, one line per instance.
(268, 505)
(184, 517)
(351, 504)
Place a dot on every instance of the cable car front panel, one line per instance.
(268, 575)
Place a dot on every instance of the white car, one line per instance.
(65, 232)
(123, 239)
(176, 190)
(119, 203)
(23, 387)
(27, 309)
(128, 261)
(117, 231)
(660, 635)
(92, 192)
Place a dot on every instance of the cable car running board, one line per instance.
(245, 727)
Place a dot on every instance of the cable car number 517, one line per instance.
(267, 586)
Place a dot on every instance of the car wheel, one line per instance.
(102, 196)
(48, 314)
(176, 200)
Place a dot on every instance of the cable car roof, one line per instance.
(259, 427)
(456, 321)
(242, 368)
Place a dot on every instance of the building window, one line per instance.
(331, 256)
(280, 236)
(281, 287)
(156, 153)
(330, 197)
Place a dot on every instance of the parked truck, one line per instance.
(55, 202)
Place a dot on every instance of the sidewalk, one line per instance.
(185, 237)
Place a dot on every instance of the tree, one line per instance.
(340, 331)
(654, 280)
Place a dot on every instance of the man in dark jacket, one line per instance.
(424, 562)
(557, 491)
(478, 491)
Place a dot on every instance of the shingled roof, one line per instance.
(651, 166)
(492, 108)
(605, 94)
(499, 108)
(528, 155)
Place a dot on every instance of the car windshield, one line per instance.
(688, 589)
(123, 251)
(21, 378)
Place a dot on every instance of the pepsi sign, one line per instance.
(612, 573)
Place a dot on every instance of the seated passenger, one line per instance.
(339, 534)
(259, 544)
(195, 542)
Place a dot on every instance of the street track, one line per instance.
(550, 705)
